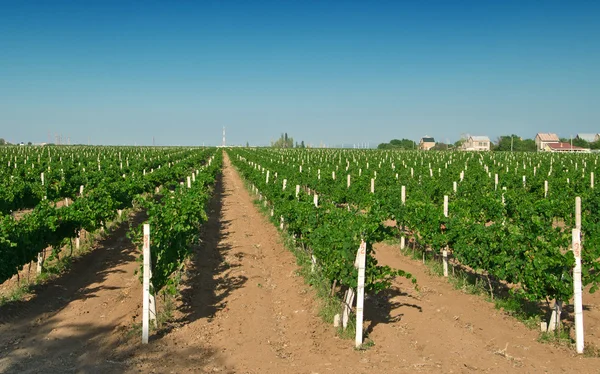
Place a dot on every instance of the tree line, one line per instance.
(504, 143)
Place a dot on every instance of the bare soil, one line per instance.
(244, 309)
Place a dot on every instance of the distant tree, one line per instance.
(459, 143)
(247, 144)
(3, 142)
(398, 144)
(581, 143)
(302, 144)
(29, 143)
(503, 144)
(283, 142)
(595, 145)
(440, 147)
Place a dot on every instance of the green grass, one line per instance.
(560, 337)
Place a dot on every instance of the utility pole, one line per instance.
(223, 137)
(511, 142)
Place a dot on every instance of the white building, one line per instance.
(541, 139)
(476, 143)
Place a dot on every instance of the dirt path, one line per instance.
(243, 309)
(72, 323)
(458, 331)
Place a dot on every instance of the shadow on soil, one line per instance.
(31, 342)
(382, 308)
(89, 268)
(210, 282)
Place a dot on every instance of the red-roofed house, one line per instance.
(563, 147)
(541, 139)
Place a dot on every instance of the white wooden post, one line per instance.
(577, 289)
(316, 200)
(454, 186)
(495, 181)
(577, 285)
(281, 222)
(148, 305)
(284, 184)
(524, 181)
(545, 188)
(445, 205)
(578, 213)
(591, 179)
(297, 190)
(348, 301)
(267, 180)
(189, 182)
(40, 262)
(403, 200)
(372, 185)
(42, 177)
(445, 251)
(348, 182)
(81, 190)
(361, 259)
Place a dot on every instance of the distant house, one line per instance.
(426, 143)
(476, 143)
(590, 138)
(541, 139)
(563, 147)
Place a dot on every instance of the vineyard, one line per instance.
(99, 182)
(509, 216)
(238, 301)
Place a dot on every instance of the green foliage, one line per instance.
(283, 142)
(105, 192)
(515, 143)
(329, 232)
(174, 222)
(404, 144)
(516, 235)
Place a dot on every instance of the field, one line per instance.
(237, 293)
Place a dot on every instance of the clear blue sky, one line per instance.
(338, 72)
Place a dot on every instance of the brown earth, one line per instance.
(243, 309)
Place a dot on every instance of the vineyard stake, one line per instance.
(445, 251)
(361, 259)
(348, 301)
(577, 291)
(148, 304)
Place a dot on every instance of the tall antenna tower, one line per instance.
(223, 136)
